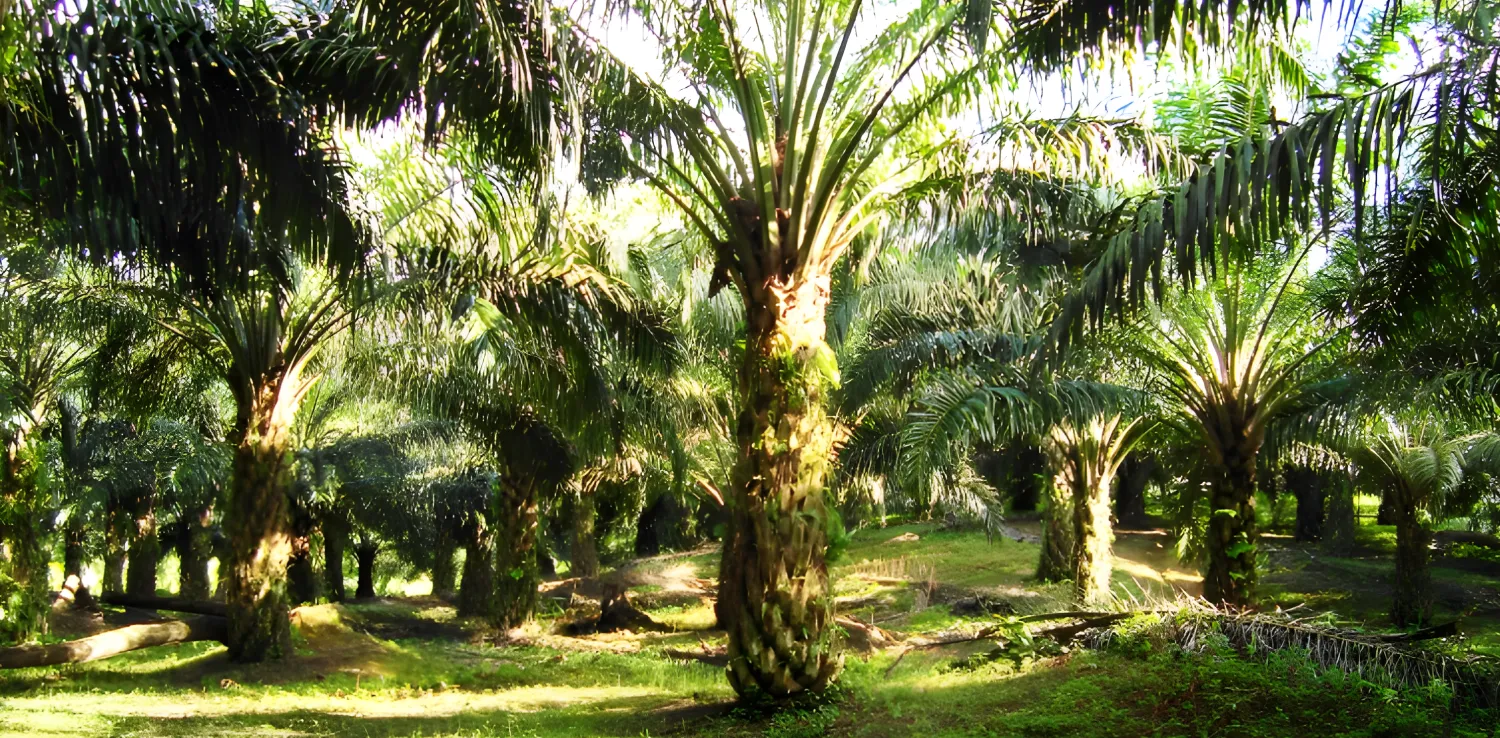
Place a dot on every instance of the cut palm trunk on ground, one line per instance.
(175, 604)
(115, 642)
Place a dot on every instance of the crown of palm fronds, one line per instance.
(157, 128)
(1284, 179)
(489, 69)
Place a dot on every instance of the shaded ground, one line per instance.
(410, 667)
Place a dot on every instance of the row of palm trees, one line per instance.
(186, 151)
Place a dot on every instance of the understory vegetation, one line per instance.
(763, 367)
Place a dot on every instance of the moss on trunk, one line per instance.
(476, 592)
(24, 613)
(256, 523)
(1093, 537)
(584, 551)
(773, 593)
(1055, 561)
(516, 576)
(1230, 577)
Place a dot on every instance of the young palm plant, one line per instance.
(1087, 454)
(1233, 357)
(1420, 467)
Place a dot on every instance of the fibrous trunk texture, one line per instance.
(584, 551)
(335, 539)
(1231, 531)
(476, 592)
(1413, 586)
(773, 592)
(1338, 538)
(1093, 538)
(516, 576)
(25, 559)
(145, 546)
(444, 571)
(192, 543)
(364, 559)
(1055, 563)
(257, 526)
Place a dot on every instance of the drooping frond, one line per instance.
(153, 130)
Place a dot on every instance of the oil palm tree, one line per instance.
(175, 140)
(1233, 358)
(1421, 467)
(46, 347)
(1087, 454)
(261, 338)
(780, 157)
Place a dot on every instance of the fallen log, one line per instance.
(115, 642)
(153, 602)
(713, 657)
(1445, 630)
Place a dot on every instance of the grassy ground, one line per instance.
(407, 667)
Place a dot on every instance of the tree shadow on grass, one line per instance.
(624, 716)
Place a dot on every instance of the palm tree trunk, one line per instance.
(192, 543)
(21, 546)
(145, 546)
(476, 593)
(364, 559)
(1386, 513)
(258, 530)
(73, 553)
(302, 577)
(585, 553)
(1130, 491)
(116, 525)
(335, 539)
(444, 573)
(1055, 563)
(773, 591)
(516, 575)
(648, 527)
(1338, 539)
(1413, 586)
(1307, 486)
(1027, 470)
(1231, 532)
(1093, 536)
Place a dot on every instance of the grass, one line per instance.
(351, 676)
(459, 690)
